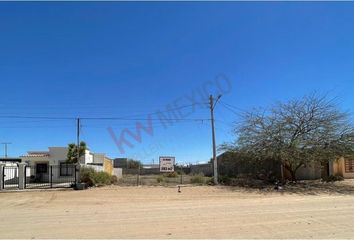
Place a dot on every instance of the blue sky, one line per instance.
(114, 59)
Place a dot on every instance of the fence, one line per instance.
(205, 169)
(243, 167)
(54, 176)
(10, 177)
(43, 175)
(153, 177)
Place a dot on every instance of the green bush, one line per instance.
(160, 179)
(224, 179)
(87, 175)
(91, 177)
(114, 179)
(102, 178)
(209, 180)
(197, 179)
(171, 174)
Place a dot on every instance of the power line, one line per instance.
(234, 107)
(35, 117)
(230, 109)
(31, 127)
(225, 123)
(146, 119)
(129, 117)
(81, 106)
(154, 124)
(135, 117)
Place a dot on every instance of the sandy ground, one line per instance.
(162, 212)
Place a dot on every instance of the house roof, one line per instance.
(36, 154)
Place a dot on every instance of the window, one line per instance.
(42, 168)
(349, 165)
(66, 169)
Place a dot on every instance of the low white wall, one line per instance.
(118, 172)
(96, 167)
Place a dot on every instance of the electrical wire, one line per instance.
(129, 117)
(233, 107)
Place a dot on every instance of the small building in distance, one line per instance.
(126, 163)
(120, 162)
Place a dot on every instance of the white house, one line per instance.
(54, 156)
(48, 165)
(42, 162)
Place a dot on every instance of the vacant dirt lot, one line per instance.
(158, 212)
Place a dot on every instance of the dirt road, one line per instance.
(158, 212)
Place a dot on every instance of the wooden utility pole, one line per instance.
(215, 162)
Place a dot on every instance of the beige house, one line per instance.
(343, 167)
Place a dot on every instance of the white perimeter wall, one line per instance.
(118, 172)
(97, 168)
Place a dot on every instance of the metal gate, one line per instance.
(42, 175)
(10, 177)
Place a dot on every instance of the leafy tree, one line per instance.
(133, 164)
(296, 132)
(72, 152)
